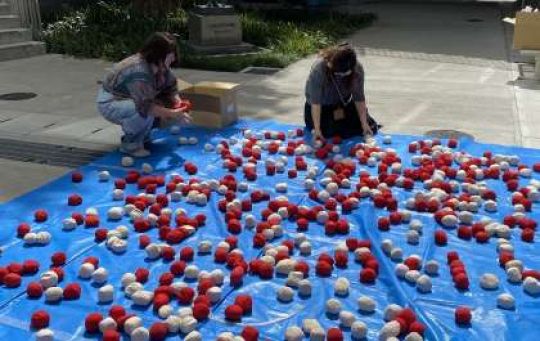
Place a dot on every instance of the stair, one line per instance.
(16, 41)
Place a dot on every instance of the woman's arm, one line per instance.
(362, 115)
(316, 118)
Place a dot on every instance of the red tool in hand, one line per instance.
(183, 104)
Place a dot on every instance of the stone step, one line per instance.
(14, 35)
(5, 8)
(9, 21)
(21, 50)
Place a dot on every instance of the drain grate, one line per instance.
(260, 70)
(449, 134)
(47, 154)
(17, 96)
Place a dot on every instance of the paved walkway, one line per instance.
(428, 66)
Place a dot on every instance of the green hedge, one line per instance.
(112, 31)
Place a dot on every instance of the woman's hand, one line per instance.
(183, 116)
(367, 130)
(317, 135)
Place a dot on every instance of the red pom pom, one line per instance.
(111, 335)
(186, 254)
(412, 263)
(72, 291)
(12, 280)
(204, 285)
(160, 300)
(383, 223)
(461, 281)
(91, 323)
(39, 320)
(30, 267)
(158, 331)
(144, 241)
(452, 143)
(15, 268)
(441, 238)
(141, 274)
(342, 259)
(100, 235)
(234, 226)
(527, 235)
(395, 218)
(166, 278)
(91, 220)
(58, 259)
(75, 200)
(250, 333)
(417, 327)
(116, 312)
(236, 276)
(40, 215)
(463, 315)
(482, 237)
(23, 229)
(234, 313)
(451, 256)
(167, 253)
(407, 315)
(266, 270)
(177, 268)
(201, 311)
(334, 334)
(259, 240)
(245, 302)
(34, 290)
(92, 260)
(185, 295)
(368, 275)
(76, 177)
(464, 232)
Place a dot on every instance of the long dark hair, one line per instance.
(341, 58)
(158, 46)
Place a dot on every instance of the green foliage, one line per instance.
(113, 30)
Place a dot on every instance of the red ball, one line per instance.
(464, 232)
(412, 263)
(76, 177)
(342, 259)
(58, 259)
(202, 299)
(245, 302)
(75, 200)
(40, 215)
(177, 268)
(451, 256)
(100, 234)
(334, 334)
(323, 268)
(30, 267)
(166, 278)
(34, 290)
(482, 237)
(250, 333)
(160, 300)
(158, 331)
(259, 240)
(91, 323)
(141, 274)
(91, 220)
(111, 335)
(39, 320)
(266, 270)
(441, 238)
(186, 254)
(527, 235)
(116, 312)
(72, 291)
(395, 218)
(92, 260)
(185, 295)
(417, 327)
(236, 276)
(12, 280)
(15, 268)
(407, 315)
(234, 313)
(461, 281)
(201, 311)
(368, 275)
(23, 229)
(463, 315)
(383, 223)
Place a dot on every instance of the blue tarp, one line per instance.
(271, 317)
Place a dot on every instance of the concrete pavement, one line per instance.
(428, 66)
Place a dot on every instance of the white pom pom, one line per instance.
(194, 336)
(431, 268)
(182, 140)
(322, 217)
(285, 294)
(115, 213)
(107, 323)
(332, 188)
(366, 304)
(131, 324)
(281, 187)
(414, 336)
(294, 333)
(489, 281)
(413, 237)
(53, 294)
(449, 221)
(173, 323)
(118, 194)
(127, 279)
(147, 168)
(44, 334)
(209, 147)
(310, 325)
(396, 254)
(531, 286)
(188, 324)
(86, 270)
(205, 246)
(304, 288)
(43, 238)
(165, 311)
(490, 206)
(387, 139)
(132, 288)
(294, 279)
(185, 312)
(387, 245)
(106, 294)
(305, 248)
(323, 196)
(153, 251)
(104, 176)
(391, 312)
(140, 334)
(390, 329)
(416, 225)
(214, 294)
(358, 330)
(142, 297)
(506, 301)
(100, 275)
(333, 306)
(341, 286)
(423, 284)
(193, 140)
(514, 275)
(285, 266)
(191, 272)
(175, 129)
(346, 318)
(68, 224)
(217, 276)
(412, 276)
(401, 269)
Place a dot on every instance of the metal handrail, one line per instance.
(29, 13)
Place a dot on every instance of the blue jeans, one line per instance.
(123, 112)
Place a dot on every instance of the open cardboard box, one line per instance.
(527, 31)
(214, 103)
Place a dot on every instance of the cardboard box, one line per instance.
(527, 31)
(214, 103)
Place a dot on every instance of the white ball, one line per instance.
(43, 238)
(106, 294)
(412, 276)
(209, 147)
(193, 336)
(431, 268)
(205, 246)
(506, 301)
(414, 336)
(285, 294)
(400, 270)
(48, 279)
(489, 281)
(182, 140)
(131, 324)
(142, 297)
(304, 288)
(387, 245)
(53, 294)
(165, 311)
(341, 286)
(188, 324)
(153, 251)
(191, 272)
(413, 237)
(281, 187)
(214, 294)
(175, 130)
(140, 334)
(323, 196)
(193, 140)
(449, 221)
(531, 286)
(358, 330)
(107, 323)
(346, 318)
(514, 275)
(115, 213)
(173, 323)
(305, 248)
(68, 224)
(100, 275)
(127, 279)
(390, 329)
(387, 139)
(184, 312)
(294, 333)
(391, 312)
(217, 276)
(490, 206)
(132, 288)
(104, 176)
(127, 161)
(423, 284)
(147, 168)
(44, 334)
(366, 304)
(309, 325)
(86, 270)
(396, 254)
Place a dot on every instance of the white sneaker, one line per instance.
(139, 152)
